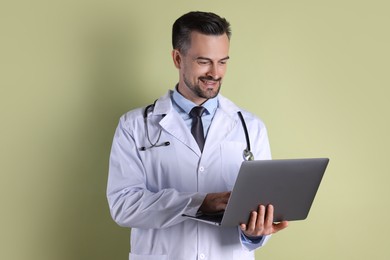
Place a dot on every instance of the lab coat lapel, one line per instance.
(174, 124)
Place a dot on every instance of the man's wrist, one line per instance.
(252, 239)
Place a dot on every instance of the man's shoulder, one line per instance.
(231, 108)
(160, 105)
(133, 114)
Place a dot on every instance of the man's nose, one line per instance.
(214, 72)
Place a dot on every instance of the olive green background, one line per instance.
(317, 73)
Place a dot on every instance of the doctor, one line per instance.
(158, 171)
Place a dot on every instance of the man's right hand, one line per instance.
(215, 202)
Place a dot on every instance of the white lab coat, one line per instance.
(149, 191)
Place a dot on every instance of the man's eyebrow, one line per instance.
(205, 58)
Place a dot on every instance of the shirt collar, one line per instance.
(186, 105)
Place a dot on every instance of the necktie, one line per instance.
(197, 126)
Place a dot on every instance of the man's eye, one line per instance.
(203, 62)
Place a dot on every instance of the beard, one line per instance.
(204, 93)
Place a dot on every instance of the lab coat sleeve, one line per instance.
(131, 203)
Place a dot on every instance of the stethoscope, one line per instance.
(247, 154)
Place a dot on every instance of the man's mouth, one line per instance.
(209, 80)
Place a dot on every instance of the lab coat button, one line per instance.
(201, 169)
(202, 256)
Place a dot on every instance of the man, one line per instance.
(160, 170)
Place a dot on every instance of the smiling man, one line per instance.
(181, 155)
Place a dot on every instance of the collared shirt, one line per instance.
(183, 106)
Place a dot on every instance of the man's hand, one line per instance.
(261, 223)
(215, 202)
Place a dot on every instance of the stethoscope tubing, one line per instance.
(247, 154)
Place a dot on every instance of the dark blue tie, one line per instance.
(197, 126)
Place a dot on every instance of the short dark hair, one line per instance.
(203, 22)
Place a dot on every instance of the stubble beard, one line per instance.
(196, 89)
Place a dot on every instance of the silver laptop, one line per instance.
(289, 185)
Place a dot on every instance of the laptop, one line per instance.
(290, 185)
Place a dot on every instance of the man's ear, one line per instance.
(176, 56)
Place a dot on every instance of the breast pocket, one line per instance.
(231, 159)
(160, 163)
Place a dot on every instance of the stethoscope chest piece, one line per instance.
(248, 155)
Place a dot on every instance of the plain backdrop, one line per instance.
(316, 72)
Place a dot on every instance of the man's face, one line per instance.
(202, 67)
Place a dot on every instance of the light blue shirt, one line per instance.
(183, 106)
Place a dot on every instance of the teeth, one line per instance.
(209, 82)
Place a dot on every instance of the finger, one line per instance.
(280, 226)
(269, 217)
(260, 217)
(252, 222)
(243, 227)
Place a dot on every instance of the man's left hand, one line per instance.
(261, 223)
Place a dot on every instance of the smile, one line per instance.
(209, 81)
